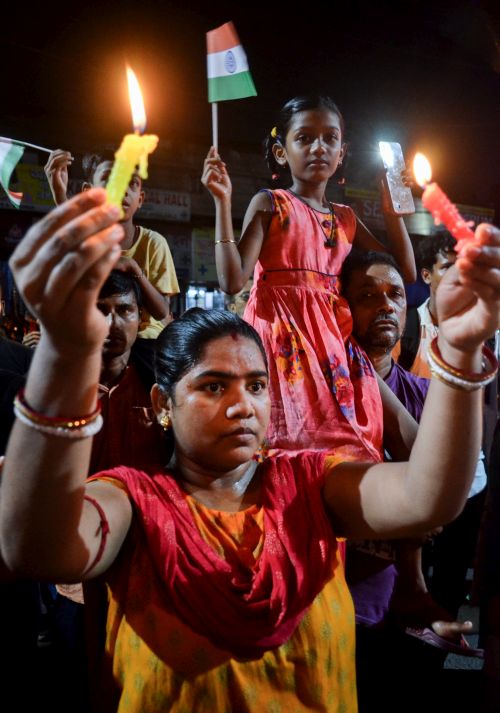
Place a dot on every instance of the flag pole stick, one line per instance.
(215, 125)
(24, 143)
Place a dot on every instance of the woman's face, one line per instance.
(221, 407)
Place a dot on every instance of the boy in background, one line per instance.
(145, 253)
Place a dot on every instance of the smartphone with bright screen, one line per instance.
(394, 163)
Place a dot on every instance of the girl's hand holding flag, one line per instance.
(215, 176)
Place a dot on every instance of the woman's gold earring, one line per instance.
(165, 422)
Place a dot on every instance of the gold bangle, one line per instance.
(225, 240)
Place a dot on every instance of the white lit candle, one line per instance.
(134, 149)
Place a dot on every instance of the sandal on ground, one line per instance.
(461, 648)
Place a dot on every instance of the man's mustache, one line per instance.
(386, 318)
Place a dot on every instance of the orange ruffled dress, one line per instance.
(323, 388)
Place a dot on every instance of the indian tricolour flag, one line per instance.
(227, 66)
(10, 155)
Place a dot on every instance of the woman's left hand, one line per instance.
(468, 296)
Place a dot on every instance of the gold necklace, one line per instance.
(328, 223)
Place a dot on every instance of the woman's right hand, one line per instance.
(215, 176)
(468, 296)
(60, 266)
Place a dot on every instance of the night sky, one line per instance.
(426, 74)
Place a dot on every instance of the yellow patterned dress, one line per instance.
(155, 662)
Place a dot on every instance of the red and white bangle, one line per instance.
(62, 426)
(459, 378)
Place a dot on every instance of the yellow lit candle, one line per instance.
(439, 205)
(134, 149)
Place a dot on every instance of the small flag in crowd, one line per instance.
(227, 66)
(10, 155)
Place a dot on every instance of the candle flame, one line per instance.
(421, 169)
(136, 102)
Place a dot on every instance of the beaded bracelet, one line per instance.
(459, 378)
(225, 240)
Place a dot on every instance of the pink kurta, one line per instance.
(323, 388)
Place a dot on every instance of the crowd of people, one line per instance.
(259, 513)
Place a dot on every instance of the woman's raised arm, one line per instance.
(47, 528)
(400, 499)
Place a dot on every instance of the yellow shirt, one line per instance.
(152, 254)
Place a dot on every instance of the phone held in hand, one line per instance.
(394, 163)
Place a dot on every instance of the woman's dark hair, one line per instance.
(181, 344)
(284, 119)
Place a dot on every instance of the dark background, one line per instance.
(426, 74)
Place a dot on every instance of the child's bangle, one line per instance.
(225, 240)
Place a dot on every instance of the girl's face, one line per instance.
(221, 407)
(313, 146)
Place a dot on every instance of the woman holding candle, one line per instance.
(221, 598)
(323, 389)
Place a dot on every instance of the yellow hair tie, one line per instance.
(274, 132)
